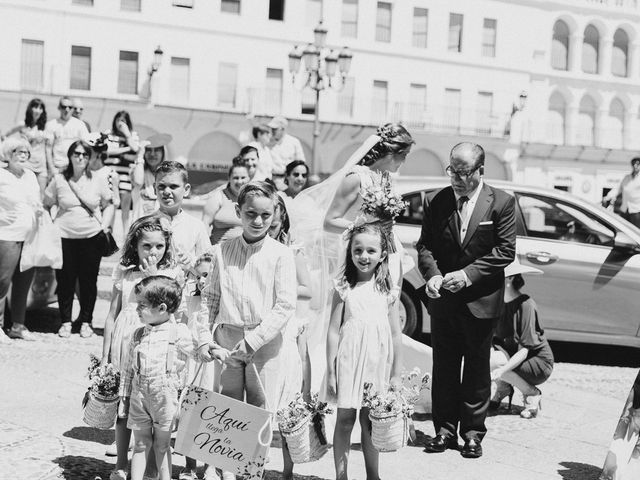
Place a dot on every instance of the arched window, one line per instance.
(615, 127)
(556, 119)
(560, 46)
(590, 49)
(585, 126)
(619, 54)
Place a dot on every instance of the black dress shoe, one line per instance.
(471, 449)
(440, 443)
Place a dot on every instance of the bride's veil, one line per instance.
(322, 249)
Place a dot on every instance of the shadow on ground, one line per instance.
(90, 434)
(83, 468)
(578, 471)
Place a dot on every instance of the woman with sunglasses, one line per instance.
(85, 210)
(19, 205)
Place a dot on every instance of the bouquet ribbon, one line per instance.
(317, 426)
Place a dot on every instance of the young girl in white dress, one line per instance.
(147, 250)
(364, 340)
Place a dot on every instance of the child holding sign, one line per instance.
(250, 298)
(157, 357)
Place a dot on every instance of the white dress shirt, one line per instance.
(465, 215)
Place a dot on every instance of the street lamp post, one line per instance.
(320, 67)
(153, 68)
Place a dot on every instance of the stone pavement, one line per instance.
(42, 435)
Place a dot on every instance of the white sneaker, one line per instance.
(3, 337)
(118, 475)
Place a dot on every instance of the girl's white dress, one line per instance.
(125, 279)
(365, 348)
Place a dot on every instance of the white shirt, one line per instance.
(256, 288)
(465, 215)
(18, 198)
(63, 135)
(631, 195)
(284, 152)
(190, 235)
(467, 209)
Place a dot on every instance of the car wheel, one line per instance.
(408, 314)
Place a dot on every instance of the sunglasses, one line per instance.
(65, 107)
(80, 154)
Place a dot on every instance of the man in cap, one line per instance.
(284, 148)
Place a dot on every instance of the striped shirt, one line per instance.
(148, 357)
(254, 289)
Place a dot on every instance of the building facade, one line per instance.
(450, 70)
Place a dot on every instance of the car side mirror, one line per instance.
(624, 242)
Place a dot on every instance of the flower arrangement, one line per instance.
(379, 201)
(298, 410)
(100, 402)
(104, 380)
(396, 401)
(302, 427)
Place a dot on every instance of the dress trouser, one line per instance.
(80, 262)
(239, 378)
(461, 401)
(10, 275)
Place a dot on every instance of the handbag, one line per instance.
(108, 245)
(43, 247)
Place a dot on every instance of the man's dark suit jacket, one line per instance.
(488, 247)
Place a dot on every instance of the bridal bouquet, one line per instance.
(302, 426)
(379, 201)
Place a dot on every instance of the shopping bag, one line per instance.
(43, 247)
(222, 431)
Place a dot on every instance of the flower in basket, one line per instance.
(298, 410)
(103, 380)
(379, 201)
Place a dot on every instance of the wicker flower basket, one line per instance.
(389, 432)
(100, 412)
(307, 440)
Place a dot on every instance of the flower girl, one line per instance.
(364, 340)
(147, 250)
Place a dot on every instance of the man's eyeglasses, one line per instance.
(65, 107)
(462, 175)
(80, 154)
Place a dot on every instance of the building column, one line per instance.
(633, 60)
(604, 56)
(575, 52)
(600, 128)
(627, 132)
(570, 124)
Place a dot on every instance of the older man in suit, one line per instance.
(468, 238)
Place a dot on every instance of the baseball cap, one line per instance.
(278, 122)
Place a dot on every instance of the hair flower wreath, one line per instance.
(358, 222)
(385, 132)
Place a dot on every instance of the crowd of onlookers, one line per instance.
(59, 167)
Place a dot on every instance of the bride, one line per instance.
(337, 203)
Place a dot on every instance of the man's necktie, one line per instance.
(462, 211)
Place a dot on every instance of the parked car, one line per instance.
(590, 290)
